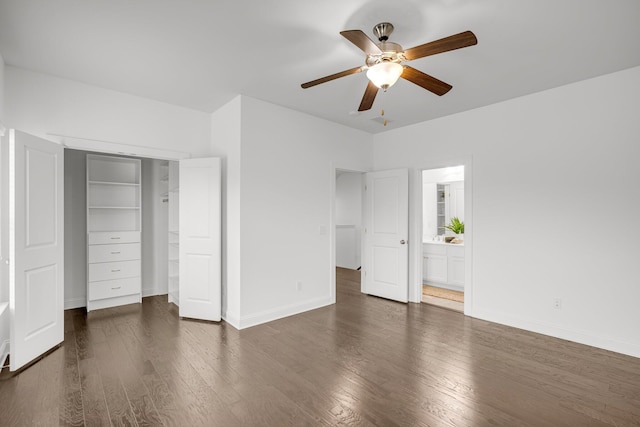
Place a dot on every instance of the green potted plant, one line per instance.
(456, 226)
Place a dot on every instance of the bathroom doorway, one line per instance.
(443, 251)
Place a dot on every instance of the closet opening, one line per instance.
(121, 229)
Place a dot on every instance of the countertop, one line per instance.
(431, 242)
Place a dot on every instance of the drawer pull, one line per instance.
(115, 271)
(115, 238)
(115, 252)
(117, 287)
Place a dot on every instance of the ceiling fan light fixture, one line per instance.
(385, 74)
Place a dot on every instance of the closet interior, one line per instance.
(121, 229)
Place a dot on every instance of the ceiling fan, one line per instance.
(383, 62)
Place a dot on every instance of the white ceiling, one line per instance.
(201, 53)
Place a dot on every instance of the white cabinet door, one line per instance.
(435, 268)
(36, 246)
(200, 239)
(456, 271)
(386, 232)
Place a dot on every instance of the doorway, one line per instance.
(348, 225)
(443, 245)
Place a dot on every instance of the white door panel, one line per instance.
(386, 233)
(200, 239)
(36, 242)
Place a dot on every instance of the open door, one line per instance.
(200, 239)
(386, 249)
(36, 246)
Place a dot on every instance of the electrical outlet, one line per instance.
(299, 286)
(557, 303)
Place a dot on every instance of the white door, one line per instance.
(385, 252)
(36, 246)
(200, 239)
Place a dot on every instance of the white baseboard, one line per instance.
(150, 292)
(280, 312)
(231, 319)
(4, 352)
(577, 336)
(75, 303)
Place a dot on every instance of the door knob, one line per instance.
(402, 242)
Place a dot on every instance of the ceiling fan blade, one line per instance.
(331, 77)
(426, 81)
(361, 40)
(368, 98)
(446, 44)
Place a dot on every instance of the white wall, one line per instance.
(41, 105)
(2, 67)
(155, 226)
(288, 162)
(226, 143)
(554, 174)
(349, 198)
(160, 213)
(75, 229)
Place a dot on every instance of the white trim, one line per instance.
(4, 317)
(5, 349)
(75, 303)
(151, 292)
(97, 145)
(574, 335)
(332, 224)
(3, 129)
(231, 319)
(279, 313)
(415, 285)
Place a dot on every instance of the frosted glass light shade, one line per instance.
(385, 74)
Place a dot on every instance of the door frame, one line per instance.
(415, 227)
(109, 148)
(332, 224)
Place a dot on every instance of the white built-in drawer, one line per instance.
(434, 248)
(111, 253)
(114, 270)
(113, 288)
(110, 237)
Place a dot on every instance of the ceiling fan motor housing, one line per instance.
(391, 52)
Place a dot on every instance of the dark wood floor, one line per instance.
(363, 361)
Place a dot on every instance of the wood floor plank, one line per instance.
(93, 399)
